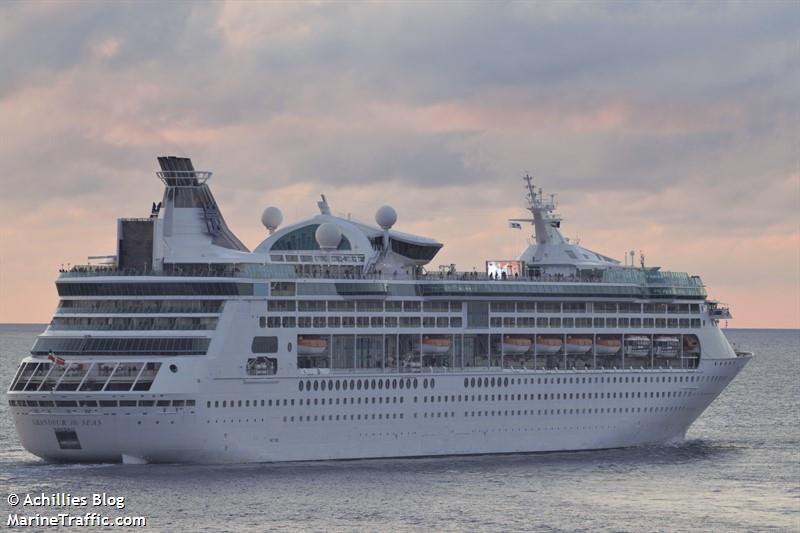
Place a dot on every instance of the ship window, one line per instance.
(304, 239)
(264, 345)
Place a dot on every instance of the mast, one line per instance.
(545, 222)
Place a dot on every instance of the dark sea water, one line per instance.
(739, 470)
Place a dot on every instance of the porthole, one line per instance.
(466, 382)
(358, 384)
(415, 383)
(394, 383)
(372, 385)
(173, 368)
(316, 385)
(300, 385)
(492, 382)
(505, 382)
(324, 385)
(472, 382)
(433, 383)
(425, 383)
(289, 347)
(402, 384)
(352, 384)
(380, 384)
(338, 384)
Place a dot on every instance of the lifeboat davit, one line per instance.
(578, 346)
(607, 346)
(514, 345)
(432, 345)
(311, 346)
(548, 345)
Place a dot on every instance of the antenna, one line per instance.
(324, 208)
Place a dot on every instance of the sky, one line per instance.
(667, 127)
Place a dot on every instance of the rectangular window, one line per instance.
(548, 307)
(394, 306)
(442, 322)
(334, 321)
(661, 322)
(477, 315)
(281, 305)
(262, 321)
(568, 322)
(341, 306)
(376, 322)
(411, 307)
(348, 322)
(599, 322)
(636, 322)
(311, 306)
(526, 307)
(436, 307)
(555, 322)
(304, 322)
(264, 345)
(319, 322)
(288, 321)
(611, 322)
(362, 321)
(391, 321)
(369, 306)
(455, 322)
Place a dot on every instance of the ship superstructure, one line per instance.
(330, 340)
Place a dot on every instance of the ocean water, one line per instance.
(738, 470)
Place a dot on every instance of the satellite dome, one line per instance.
(328, 236)
(386, 216)
(271, 218)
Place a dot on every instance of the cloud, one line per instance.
(653, 121)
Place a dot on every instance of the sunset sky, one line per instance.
(671, 128)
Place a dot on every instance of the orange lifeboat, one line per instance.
(307, 346)
(578, 345)
(432, 345)
(514, 345)
(547, 345)
(608, 346)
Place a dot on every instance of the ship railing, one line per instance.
(321, 272)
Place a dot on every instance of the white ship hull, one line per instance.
(257, 434)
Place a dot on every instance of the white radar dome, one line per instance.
(386, 216)
(328, 236)
(271, 218)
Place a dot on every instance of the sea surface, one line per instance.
(738, 470)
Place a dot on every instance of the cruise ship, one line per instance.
(336, 339)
